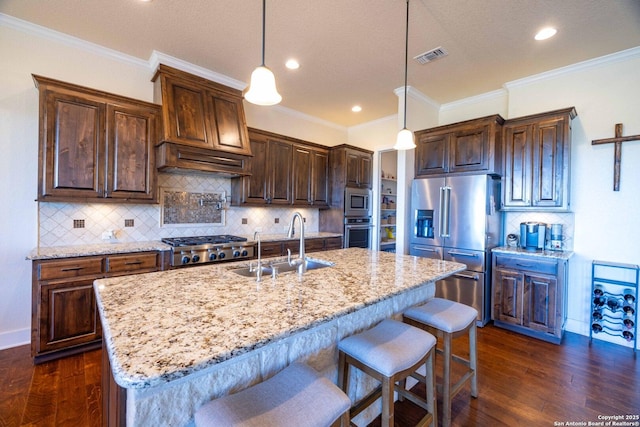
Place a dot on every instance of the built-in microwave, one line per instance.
(357, 202)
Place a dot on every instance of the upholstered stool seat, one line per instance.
(390, 352)
(448, 320)
(296, 396)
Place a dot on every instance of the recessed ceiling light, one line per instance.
(546, 33)
(356, 108)
(292, 64)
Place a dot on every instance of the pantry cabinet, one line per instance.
(65, 317)
(537, 161)
(469, 146)
(529, 295)
(95, 146)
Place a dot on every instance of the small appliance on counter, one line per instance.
(532, 235)
(555, 237)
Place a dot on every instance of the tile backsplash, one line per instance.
(512, 222)
(132, 223)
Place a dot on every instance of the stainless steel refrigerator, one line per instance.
(456, 218)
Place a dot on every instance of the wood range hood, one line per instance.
(203, 127)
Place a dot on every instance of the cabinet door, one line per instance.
(540, 302)
(270, 249)
(185, 120)
(131, 137)
(517, 176)
(72, 149)
(68, 315)
(366, 170)
(469, 150)
(320, 179)
(253, 188)
(228, 131)
(353, 169)
(302, 175)
(431, 154)
(508, 293)
(279, 172)
(548, 163)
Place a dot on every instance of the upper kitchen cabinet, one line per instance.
(95, 146)
(205, 119)
(283, 171)
(350, 167)
(469, 146)
(537, 161)
(310, 176)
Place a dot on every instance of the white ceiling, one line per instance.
(352, 51)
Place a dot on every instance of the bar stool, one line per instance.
(296, 396)
(448, 320)
(390, 352)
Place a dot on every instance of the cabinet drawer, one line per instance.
(530, 264)
(75, 267)
(271, 249)
(132, 263)
(333, 243)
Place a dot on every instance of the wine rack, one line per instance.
(614, 302)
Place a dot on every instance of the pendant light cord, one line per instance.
(406, 62)
(264, 24)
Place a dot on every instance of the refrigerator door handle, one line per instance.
(475, 277)
(468, 254)
(426, 249)
(445, 196)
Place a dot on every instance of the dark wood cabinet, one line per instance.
(358, 168)
(283, 171)
(65, 317)
(95, 146)
(310, 176)
(469, 146)
(279, 248)
(529, 295)
(200, 113)
(537, 161)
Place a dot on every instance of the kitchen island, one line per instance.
(176, 339)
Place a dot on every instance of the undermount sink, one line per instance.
(282, 267)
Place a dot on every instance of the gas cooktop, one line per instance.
(202, 240)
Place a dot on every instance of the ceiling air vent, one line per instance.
(431, 55)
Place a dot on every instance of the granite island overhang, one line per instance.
(175, 339)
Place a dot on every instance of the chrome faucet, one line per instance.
(300, 261)
(259, 267)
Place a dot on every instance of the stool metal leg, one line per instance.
(473, 359)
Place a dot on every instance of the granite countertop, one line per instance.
(563, 255)
(53, 252)
(162, 326)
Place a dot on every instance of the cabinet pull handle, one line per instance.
(524, 265)
(423, 248)
(72, 269)
(133, 262)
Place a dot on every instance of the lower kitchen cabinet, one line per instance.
(65, 317)
(529, 295)
(279, 248)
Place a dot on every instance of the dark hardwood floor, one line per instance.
(522, 382)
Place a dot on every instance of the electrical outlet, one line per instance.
(109, 235)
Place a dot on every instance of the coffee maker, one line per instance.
(532, 235)
(555, 237)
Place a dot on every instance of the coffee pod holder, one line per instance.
(614, 303)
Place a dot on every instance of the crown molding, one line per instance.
(417, 95)
(624, 55)
(158, 58)
(47, 33)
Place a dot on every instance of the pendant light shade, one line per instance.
(405, 139)
(262, 88)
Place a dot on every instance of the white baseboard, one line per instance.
(15, 338)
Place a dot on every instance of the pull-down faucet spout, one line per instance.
(300, 261)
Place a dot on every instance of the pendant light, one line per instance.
(405, 139)
(262, 88)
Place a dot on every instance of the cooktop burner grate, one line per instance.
(201, 240)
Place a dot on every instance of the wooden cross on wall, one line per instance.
(617, 140)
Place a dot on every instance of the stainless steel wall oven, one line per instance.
(357, 232)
